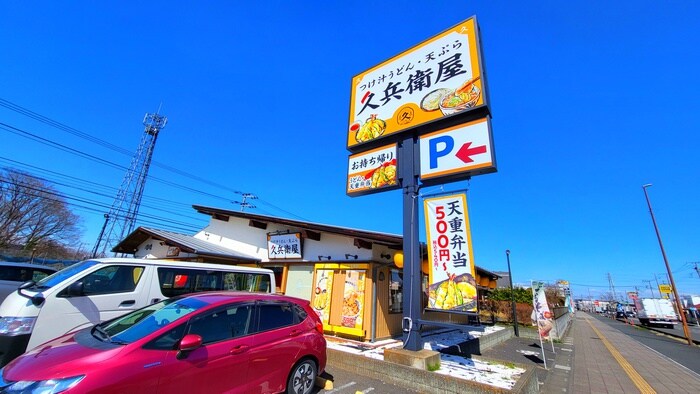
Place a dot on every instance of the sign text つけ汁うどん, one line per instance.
(438, 78)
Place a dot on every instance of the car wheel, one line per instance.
(302, 378)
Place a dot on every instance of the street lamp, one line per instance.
(668, 268)
(512, 295)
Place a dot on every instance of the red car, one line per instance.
(217, 342)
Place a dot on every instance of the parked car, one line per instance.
(97, 290)
(14, 274)
(211, 342)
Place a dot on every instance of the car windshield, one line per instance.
(58, 277)
(142, 322)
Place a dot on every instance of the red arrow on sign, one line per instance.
(464, 153)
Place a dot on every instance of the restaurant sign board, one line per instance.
(284, 246)
(439, 78)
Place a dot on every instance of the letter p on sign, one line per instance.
(439, 147)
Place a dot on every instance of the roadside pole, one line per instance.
(512, 295)
(679, 306)
(411, 267)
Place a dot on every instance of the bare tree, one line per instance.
(33, 214)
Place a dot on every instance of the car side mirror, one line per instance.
(36, 299)
(189, 343)
(26, 285)
(76, 289)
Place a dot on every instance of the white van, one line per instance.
(96, 290)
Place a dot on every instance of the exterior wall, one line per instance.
(238, 235)
(388, 324)
(153, 247)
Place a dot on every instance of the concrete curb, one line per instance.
(421, 380)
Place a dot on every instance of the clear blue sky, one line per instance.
(589, 100)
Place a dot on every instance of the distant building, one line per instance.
(504, 281)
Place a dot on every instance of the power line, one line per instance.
(51, 195)
(111, 190)
(53, 123)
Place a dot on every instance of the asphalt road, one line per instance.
(676, 349)
(345, 382)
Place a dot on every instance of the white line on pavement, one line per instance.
(346, 385)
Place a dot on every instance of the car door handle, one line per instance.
(239, 349)
(294, 333)
(128, 303)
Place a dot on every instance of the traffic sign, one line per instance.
(457, 152)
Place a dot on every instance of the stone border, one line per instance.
(421, 380)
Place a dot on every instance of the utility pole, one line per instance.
(697, 270)
(512, 295)
(612, 286)
(244, 204)
(650, 287)
(668, 269)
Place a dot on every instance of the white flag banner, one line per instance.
(543, 316)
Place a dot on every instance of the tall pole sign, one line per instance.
(422, 118)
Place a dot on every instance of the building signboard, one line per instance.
(439, 78)
(451, 278)
(372, 171)
(284, 246)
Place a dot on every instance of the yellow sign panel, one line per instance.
(438, 78)
(665, 289)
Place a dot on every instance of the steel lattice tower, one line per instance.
(121, 219)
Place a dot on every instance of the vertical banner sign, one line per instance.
(322, 294)
(451, 285)
(543, 317)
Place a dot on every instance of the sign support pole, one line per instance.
(411, 247)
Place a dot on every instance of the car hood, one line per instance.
(61, 357)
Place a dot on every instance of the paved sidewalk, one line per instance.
(608, 361)
(597, 358)
(526, 350)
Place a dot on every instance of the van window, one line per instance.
(112, 279)
(246, 281)
(62, 275)
(177, 281)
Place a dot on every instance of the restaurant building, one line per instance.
(353, 278)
